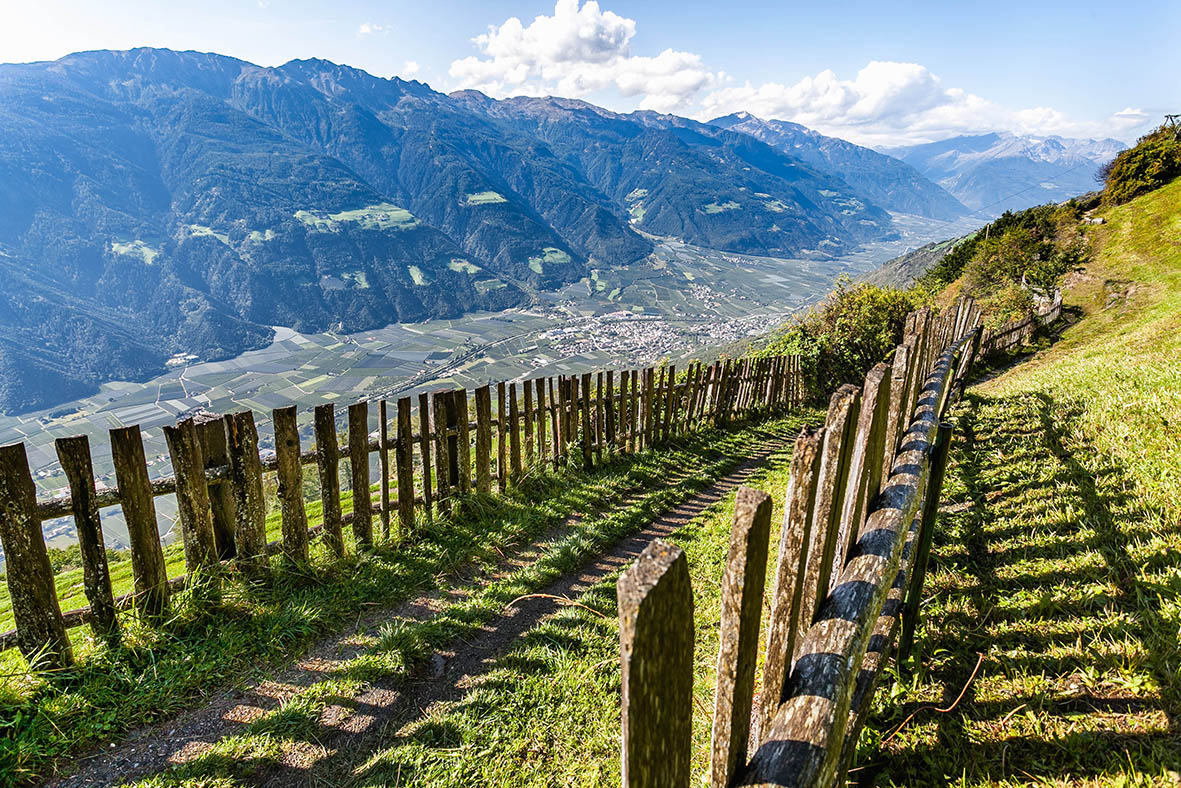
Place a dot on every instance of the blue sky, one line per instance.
(876, 72)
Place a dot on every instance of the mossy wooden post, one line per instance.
(588, 428)
(502, 437)
(463, 441)
(633, 432)
(555, 423)
(527, 422)
(139, 512)
(424, 449)
(539, 392)
(328, 468)
(514, 432)
(609, 426)
(484, 440)
(656, 661)
(192, 497)
(74, 455)
(359, 467)
(442, 456)
(865, 469)
(41, 635)
(383, 456)
(404, 459)
(599, 426)
(795, 537)
(840, 426)
(289, 474)
(897, 418)
(250, 532)
(212, 433)
(741, 615)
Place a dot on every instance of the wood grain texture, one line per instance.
(328, 469)
(139, 514)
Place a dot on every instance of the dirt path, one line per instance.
(348, 728)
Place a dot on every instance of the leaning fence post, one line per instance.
(40, 633)
(290, 477)
(741, 614)
(139, 512)
(656, 662)
(865, 469)
(328, 466)
(839, 427)
(918, 566)
(785, 625)
(74, 454)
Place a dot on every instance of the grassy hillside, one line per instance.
(1058, 548)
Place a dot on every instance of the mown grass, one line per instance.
(1058, 552)
(546, 714)
(256, 628)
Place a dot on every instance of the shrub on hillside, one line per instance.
(843, 337)
(1152, 163)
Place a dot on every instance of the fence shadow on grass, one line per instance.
(1034, 569)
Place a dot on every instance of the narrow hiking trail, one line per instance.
(332, 708)
(1051, 572)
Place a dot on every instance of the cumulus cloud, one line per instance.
(891, 103)
(410, 68)
(369, 29)
(580, 50)
(583, 49)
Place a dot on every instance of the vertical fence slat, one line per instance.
(599, 427)
(865, 467)
(840, 425)
(514, 432)
(539, 395)
(484, 440)
(359, 467)
(424, 449)
(328, 469)
(212, 433)
(250, 534)
(463, 441)
(192, 496)
(741, 614)
(555, 424)
(442, 456)
(527, 422)
(383, 457)
(41, 635)
(404, 458)
(656, 656)
(74, 455)
(588, 431)
(139, 512)
(787, 598)
(670, 404)
(294, 518)
(502, 437)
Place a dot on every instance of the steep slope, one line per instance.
(905, 269)
(685, 179)
(876, 177)
(996, 172)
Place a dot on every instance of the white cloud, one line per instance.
(410, 68)
(583, 49)
(577, 51)
(369, 29)
(896, 103)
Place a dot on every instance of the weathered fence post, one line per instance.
(383, 456)
(865, 467)
(484, 440)
(404, 457)
(328, 467)
(527, 422)
(192, 496)
(463, 441)
(139, 512)
(741, 614)
(250, 532)
(40, 633)
(787, 599)
(840, 427)
(359, 466)
(588, 430)
(212, 433)
(502, 437)
(289, 474)
(442, 455)
(514, 433)
(656, 661)
(74, 455)
(539, 392)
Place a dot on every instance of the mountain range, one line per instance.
(155, 203)
(993, 173)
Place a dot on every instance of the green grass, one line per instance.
(714, 207)
(1057, 553)
(549, 256)
(547, 713)
(484, 198)
(157, 672)
(382, 216)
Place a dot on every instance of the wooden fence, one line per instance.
(1018, 331)
(863, 490)
(427, 456)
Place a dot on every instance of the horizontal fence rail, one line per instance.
(459, 442)
(862, 495)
